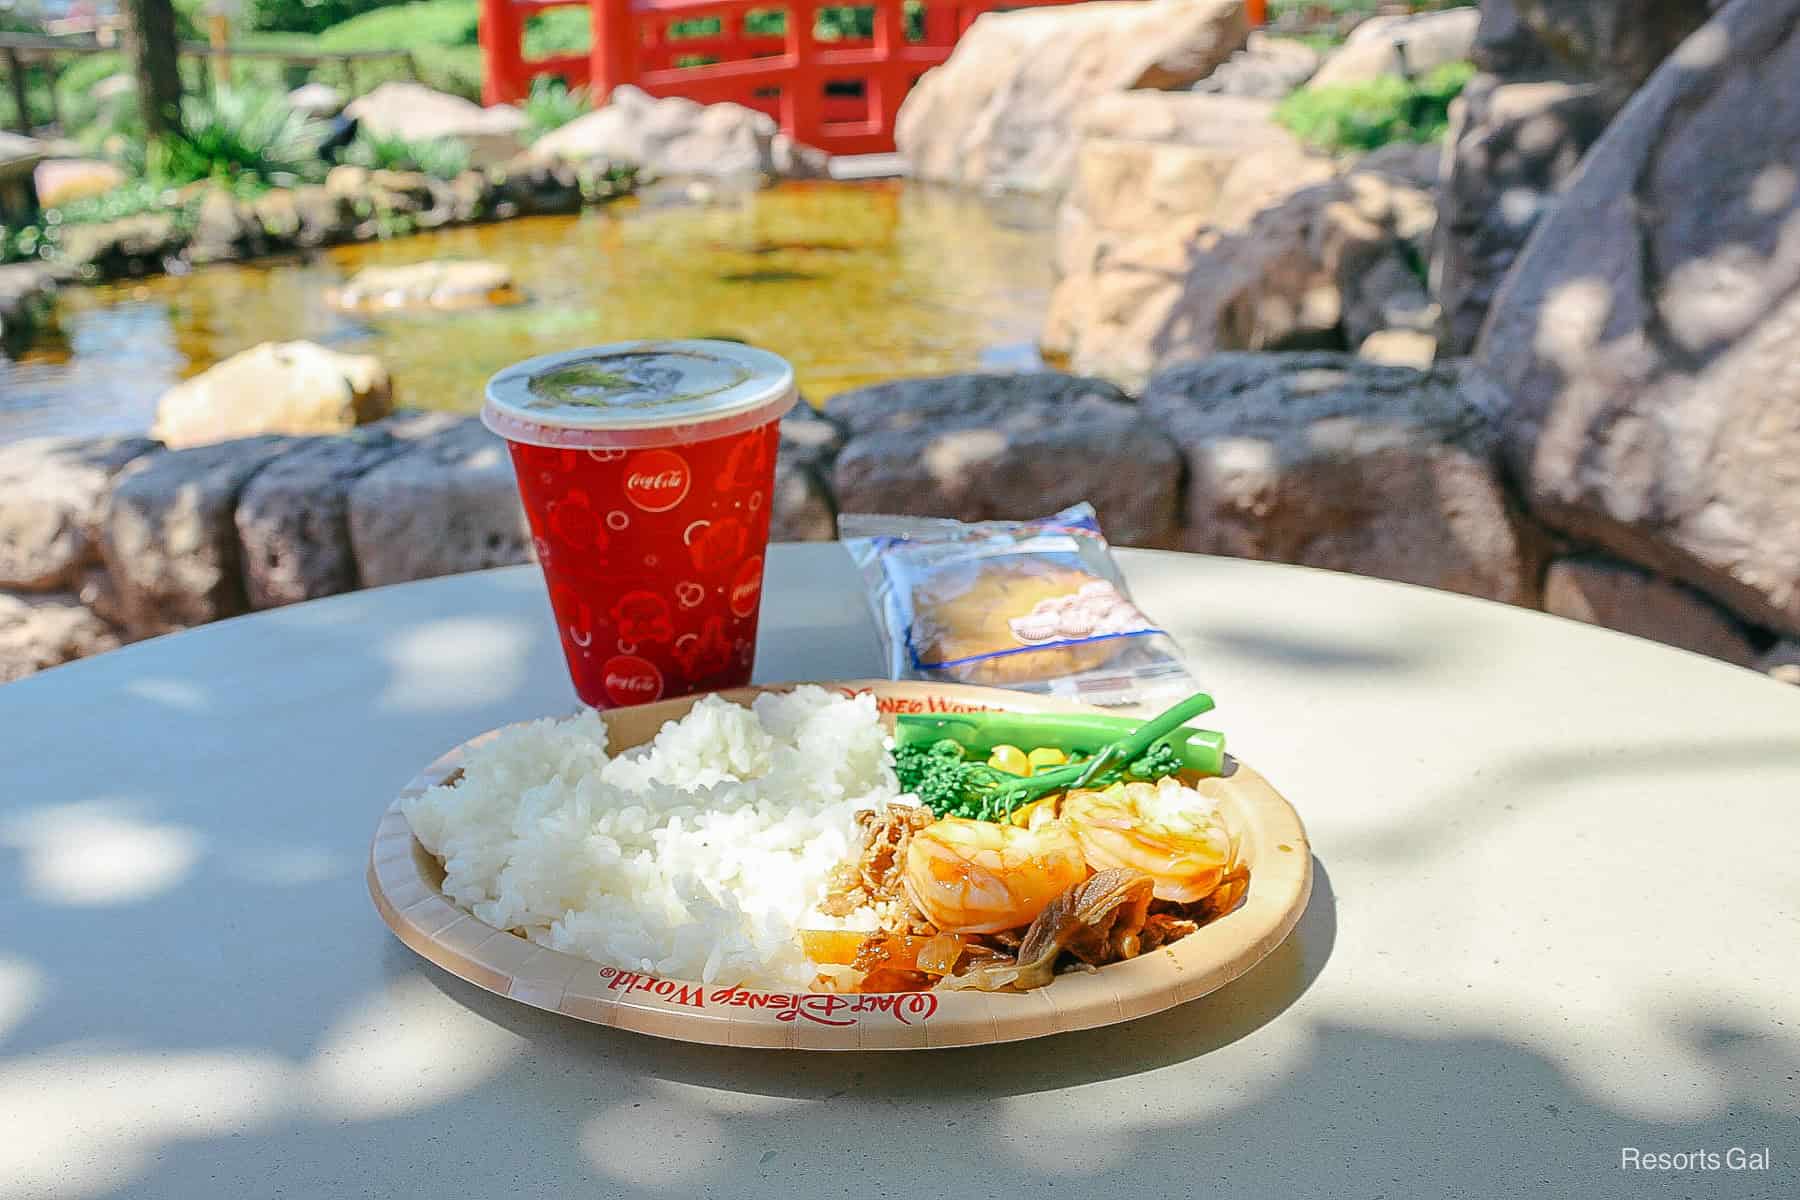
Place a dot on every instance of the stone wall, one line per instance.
(1323, 459)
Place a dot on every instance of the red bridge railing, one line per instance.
(840, 95)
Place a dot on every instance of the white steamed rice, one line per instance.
(698, 857)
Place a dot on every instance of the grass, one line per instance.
(1366, 116)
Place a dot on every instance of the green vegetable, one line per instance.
(1200, 750)
(951, 784)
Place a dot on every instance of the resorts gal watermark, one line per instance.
(1737, 1158)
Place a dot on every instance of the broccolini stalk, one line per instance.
(951, 784)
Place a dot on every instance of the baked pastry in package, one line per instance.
(1037, 606)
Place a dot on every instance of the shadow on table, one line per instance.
(1064, 1060)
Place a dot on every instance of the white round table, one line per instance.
(1556, 922)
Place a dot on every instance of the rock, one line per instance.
(1645, 334)
(277, 215)
(1615, 42)
(100, 597)
(998, 114)
(325, 218)
(448, 504)
(1601, 591)
(53, 493)
(983, 447)
(1373, 241)
(277, 387)
(529, 187)
(1399, 348)
(169, 540)
(676, 138)
(293, 520)
(445, 284)
(320, 101)
(45, 631)
(224, 230)
(27, 292)
(1781, 661)
(1329, 461)
(1511, 149)
(802, 508)
(471, 197)
(1403, 45)
(348, 182)
(1188, 290)
(417, 113)
(130, 246)
(1267, 68)
(62, 180)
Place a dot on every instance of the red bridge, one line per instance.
(840, 95)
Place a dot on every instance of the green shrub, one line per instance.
(551, 105)
(1364, 116)
(309, 16)
(440, 159)
(440, 35)
(128, 200)
(239, 136)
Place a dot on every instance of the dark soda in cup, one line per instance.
(647, 470)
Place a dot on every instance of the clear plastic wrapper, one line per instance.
(1037, 606)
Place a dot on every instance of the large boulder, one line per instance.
(1281, 253)
(1619, 596)
(446, 283)
(802, 509)
(1555, 73)
(39, 631)
(1400, 45)
(1330, 461)
(1267, 68)
(1646, 333)
(417, 113)
(293, 518)
(448, 504)
(999, 113)
(169, 540)
(53, 494)
(277, 387)
(1512, 147)
(984, 447)
(678, 138)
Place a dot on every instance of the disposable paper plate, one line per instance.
(406, 883)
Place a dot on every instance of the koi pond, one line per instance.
(854, 283)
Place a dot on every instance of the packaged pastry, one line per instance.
(1032, 605)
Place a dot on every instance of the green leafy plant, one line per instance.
(440, 158)
(1365, 116)
(244, 137)
(551, 105)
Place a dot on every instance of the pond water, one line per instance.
(853, 283)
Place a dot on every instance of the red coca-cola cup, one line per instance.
(647, 469)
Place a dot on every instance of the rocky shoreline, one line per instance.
(1314, 458)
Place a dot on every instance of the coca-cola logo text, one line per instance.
(629, 679)
(746, 587)
(657, 480)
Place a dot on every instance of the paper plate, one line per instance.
(406, 883)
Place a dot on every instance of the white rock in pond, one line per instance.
(448, 284)
(417, 113)
(277, 387)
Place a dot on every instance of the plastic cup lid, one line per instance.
(639, 394)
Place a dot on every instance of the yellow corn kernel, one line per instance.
(1036, 814)
(1047, 756)
(1010, 759)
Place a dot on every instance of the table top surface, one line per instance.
(1555, 916)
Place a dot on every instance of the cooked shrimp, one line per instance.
(980, 877)
(1166, 830)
